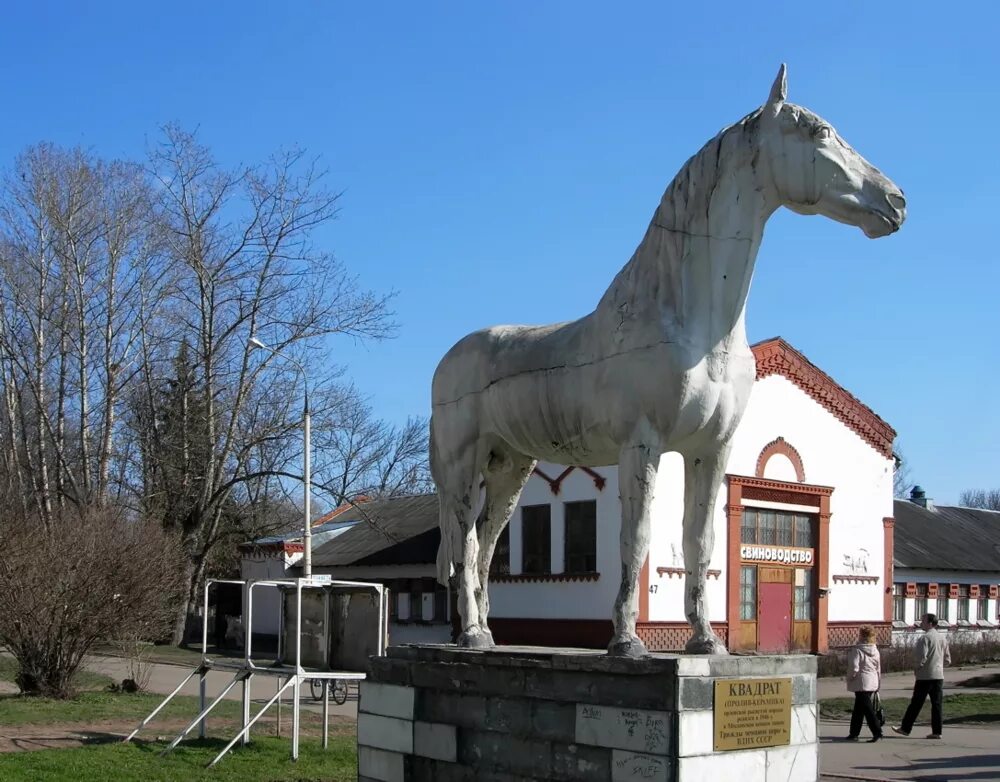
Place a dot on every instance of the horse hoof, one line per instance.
(629, 647)
(702, 645)
(475, 639)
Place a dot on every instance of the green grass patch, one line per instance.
(264, 760)
(84, 680)
(957, 708)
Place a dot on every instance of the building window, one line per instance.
(803, 608)
(777, 528)
(536, 545)
(403, 606)
(942, 605)
(748, 593)
(581, 537)
(983, 604)
(441, 604)
(963, 602)
(920, 602)
(899, 602)
(500, 564)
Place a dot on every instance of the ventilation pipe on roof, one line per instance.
(919, 497)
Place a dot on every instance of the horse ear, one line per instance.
(779, 90)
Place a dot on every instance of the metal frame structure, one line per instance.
(287, 676)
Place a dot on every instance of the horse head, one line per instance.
(814, 171)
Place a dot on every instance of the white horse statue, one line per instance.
(661, 365)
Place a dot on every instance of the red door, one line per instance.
(774, 617)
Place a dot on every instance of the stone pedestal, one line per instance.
(525, 713)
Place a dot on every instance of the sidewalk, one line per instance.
(968, 753)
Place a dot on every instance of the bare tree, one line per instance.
(240, 242)
(902, 479)
(987, 499)
(77, 264)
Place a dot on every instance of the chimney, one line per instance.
(919, 497)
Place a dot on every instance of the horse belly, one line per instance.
(552, 415)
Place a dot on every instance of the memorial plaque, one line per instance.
(752, 713)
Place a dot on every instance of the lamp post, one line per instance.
(306, 478)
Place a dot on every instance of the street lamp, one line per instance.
(306, 478)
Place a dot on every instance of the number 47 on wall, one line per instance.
(653, 588)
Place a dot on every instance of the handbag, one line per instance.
(879, 711)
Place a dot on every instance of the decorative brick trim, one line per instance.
(673, 636)
(777, 357)
(994, 591)
(670, 572)
(932, 590)
(532, 578)
(845, 634)
(952, 591)
(781, 446)
(555, 484)
(852, 579)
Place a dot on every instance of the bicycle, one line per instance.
(338, 690)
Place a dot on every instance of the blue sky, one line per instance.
(500, 162)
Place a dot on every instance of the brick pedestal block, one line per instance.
(514, 714)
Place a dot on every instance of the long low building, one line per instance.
(947, 562)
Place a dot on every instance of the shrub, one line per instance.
(93, 575)
(900, 657)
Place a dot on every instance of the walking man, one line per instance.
(930, 655)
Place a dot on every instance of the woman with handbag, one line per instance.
(864, 675)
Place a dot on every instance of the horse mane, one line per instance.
(653, 271)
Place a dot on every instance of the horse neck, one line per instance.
(691, 273)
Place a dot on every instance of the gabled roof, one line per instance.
(398, 531)
(946, 538)
(776, 357)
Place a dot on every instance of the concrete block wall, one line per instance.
(516, 714)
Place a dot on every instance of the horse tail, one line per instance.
(446, 549)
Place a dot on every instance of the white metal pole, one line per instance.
(307, 480)
(326, 713)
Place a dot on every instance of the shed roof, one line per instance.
(402, 530)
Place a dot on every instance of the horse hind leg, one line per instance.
(505, 476)
(457, 482)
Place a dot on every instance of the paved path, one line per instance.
(900, 685)
(966, 754)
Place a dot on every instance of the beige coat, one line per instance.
(864, 668)
(931, 655)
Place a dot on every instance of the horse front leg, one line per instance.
(637, 467)
(703, 473)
